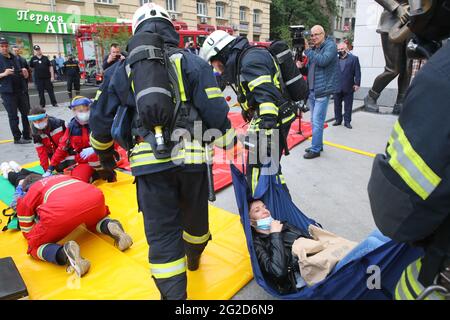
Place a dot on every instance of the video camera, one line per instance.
(301, 106)
(298, 34)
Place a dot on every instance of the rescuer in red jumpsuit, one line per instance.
(48, 209)
(76, 140)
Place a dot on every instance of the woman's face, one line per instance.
(258, 210)
(218, 65)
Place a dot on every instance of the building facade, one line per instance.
(344, 22)
(52, 23)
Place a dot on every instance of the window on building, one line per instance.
(354, 5)
(220, 10)
(171, 5)
(348, 4)
(347, 24)
(256, 16)
(202, 8)
(242, 14)
(256, 37)
(104, 1)
(145, 1)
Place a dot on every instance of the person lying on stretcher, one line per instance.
(50, 208)
(273, 241)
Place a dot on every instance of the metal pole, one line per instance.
(53, 6)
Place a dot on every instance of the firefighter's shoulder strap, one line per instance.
(437, 254)
(274, 59)
(172, 56)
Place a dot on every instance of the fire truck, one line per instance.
(93, 40)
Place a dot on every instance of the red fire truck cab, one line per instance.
(89, 39)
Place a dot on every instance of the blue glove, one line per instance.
(47, 173)
(86, 153)
(17, 194)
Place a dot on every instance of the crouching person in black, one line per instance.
(273, 241)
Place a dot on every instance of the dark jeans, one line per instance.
(14, 102)
(45, 84)
(347, 98)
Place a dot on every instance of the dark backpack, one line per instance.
(156, 93)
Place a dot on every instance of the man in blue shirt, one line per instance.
(59, 65)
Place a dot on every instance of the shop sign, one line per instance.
(31, 21)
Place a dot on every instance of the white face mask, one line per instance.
(83, 117)
(41, 125)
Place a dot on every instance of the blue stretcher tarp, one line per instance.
(347, 283)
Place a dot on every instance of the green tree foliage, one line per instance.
(284, 13)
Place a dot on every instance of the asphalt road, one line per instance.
(60, 89)
(331, 189)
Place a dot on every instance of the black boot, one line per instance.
(370, 101)
(399, 104)
(397, 109)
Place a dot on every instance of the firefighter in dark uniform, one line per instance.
(44, 75)
(72, 71)
(262, 100)
(12, 90)
(409, 188)
(172, 192)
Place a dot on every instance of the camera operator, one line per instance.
(114, 55)
(190, 47)
(322, 80)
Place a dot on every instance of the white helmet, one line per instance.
(149, 11)
(215, 42)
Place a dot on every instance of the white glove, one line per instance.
(86, 152)
(47, 173)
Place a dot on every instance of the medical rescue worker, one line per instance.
(260, 96)
(72, 71)
(47, 132)
(76, 142)
(409, 189)
(172, 192)
(49, 209)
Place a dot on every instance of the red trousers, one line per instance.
(50, 230)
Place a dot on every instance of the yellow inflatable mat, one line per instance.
(224, 269)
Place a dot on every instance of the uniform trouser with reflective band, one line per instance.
(175, 224)
(409, 287)
(255, 163)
